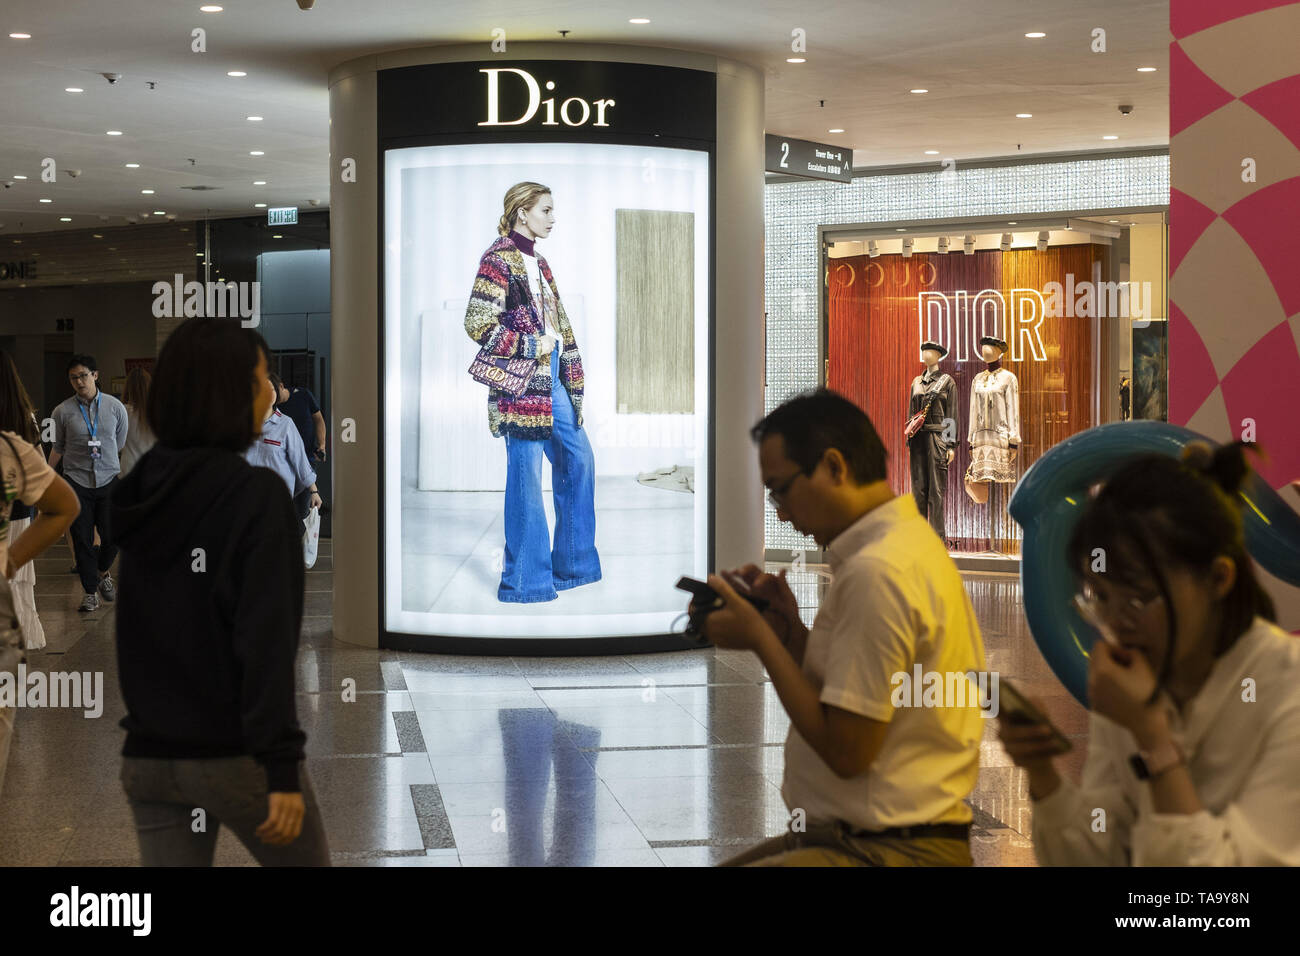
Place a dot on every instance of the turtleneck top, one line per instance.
(525, 245)
(536, 281)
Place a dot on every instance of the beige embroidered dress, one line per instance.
(994, 426)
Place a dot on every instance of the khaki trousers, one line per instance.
(830, 844)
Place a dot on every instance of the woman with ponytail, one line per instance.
(1194, 743)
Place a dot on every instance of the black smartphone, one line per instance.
(708, 599)
(1017, 709)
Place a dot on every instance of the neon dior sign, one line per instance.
(959, 320)
(568, 108)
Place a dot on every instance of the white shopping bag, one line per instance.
(311, 537)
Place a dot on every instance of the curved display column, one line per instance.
(549, 340)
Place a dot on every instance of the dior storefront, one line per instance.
(1001, 309)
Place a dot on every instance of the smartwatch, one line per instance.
(1151, 763)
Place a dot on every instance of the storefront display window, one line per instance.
(1030, 337)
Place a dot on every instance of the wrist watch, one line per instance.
(1151, 763)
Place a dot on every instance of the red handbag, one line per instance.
(916, 421)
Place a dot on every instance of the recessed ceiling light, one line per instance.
(20, 177)
(277, 237)
(259, 205)
(836, 130)
(900, 229)
(1146, 69)
(47, 200)
(1024, 116)
(1013, 223)
(199, 254)
(1115, 221)
(1132, 224)
(236, 73)
(1035, 36)
(932, 152)
(255, 119)
(146, 192)
(132, 165)
(20, 36)
(259, 182)
(918, 91)
(256, 152)
(210, 8)
(73, 89)
(638, 20)
(114, 132)
(65, 219)
(159, 212)
(95, 235)
(795, 59)
(1110, 137)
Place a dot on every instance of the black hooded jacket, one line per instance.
(209, 610)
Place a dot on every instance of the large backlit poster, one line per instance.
(570, 509)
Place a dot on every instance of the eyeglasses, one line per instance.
(777, 494)
(78, 378)
(1095, 608)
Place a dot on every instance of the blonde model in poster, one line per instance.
(515, 312)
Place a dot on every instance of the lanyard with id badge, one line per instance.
(93, 443)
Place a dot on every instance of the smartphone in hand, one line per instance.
(707, 598)
(1016, 709)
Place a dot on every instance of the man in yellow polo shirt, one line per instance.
(873, 777)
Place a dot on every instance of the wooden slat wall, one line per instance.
(655, 322)
(873, 352)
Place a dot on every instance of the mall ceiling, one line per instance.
(184, 120)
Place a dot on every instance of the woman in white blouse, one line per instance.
(1194, 745)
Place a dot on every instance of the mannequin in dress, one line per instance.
(994, 430)
(929, 453)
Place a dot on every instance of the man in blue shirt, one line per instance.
(301, 406)
(280, 448)
(89, 432)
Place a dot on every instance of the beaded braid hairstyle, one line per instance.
(1156, 512)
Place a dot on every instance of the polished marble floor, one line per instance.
(669, 759)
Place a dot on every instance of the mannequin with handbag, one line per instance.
(931, 407)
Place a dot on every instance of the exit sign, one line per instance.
(286, 216)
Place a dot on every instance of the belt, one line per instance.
(944, 831)
(934, 428)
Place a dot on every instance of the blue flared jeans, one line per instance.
(533, 569)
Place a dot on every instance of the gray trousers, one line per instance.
(231, 791)
(928, 458)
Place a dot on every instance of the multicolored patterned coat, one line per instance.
(503, 319)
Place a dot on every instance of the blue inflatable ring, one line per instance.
(1047, 504)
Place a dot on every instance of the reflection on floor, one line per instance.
(452, 544)
(664, 759)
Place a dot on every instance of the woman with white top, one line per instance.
(26, 478)
(1194, 744)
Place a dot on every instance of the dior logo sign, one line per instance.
(495, 374)
(574, 111)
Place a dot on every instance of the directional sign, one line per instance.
(799, 157)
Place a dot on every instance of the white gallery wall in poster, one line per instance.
(445, 473)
